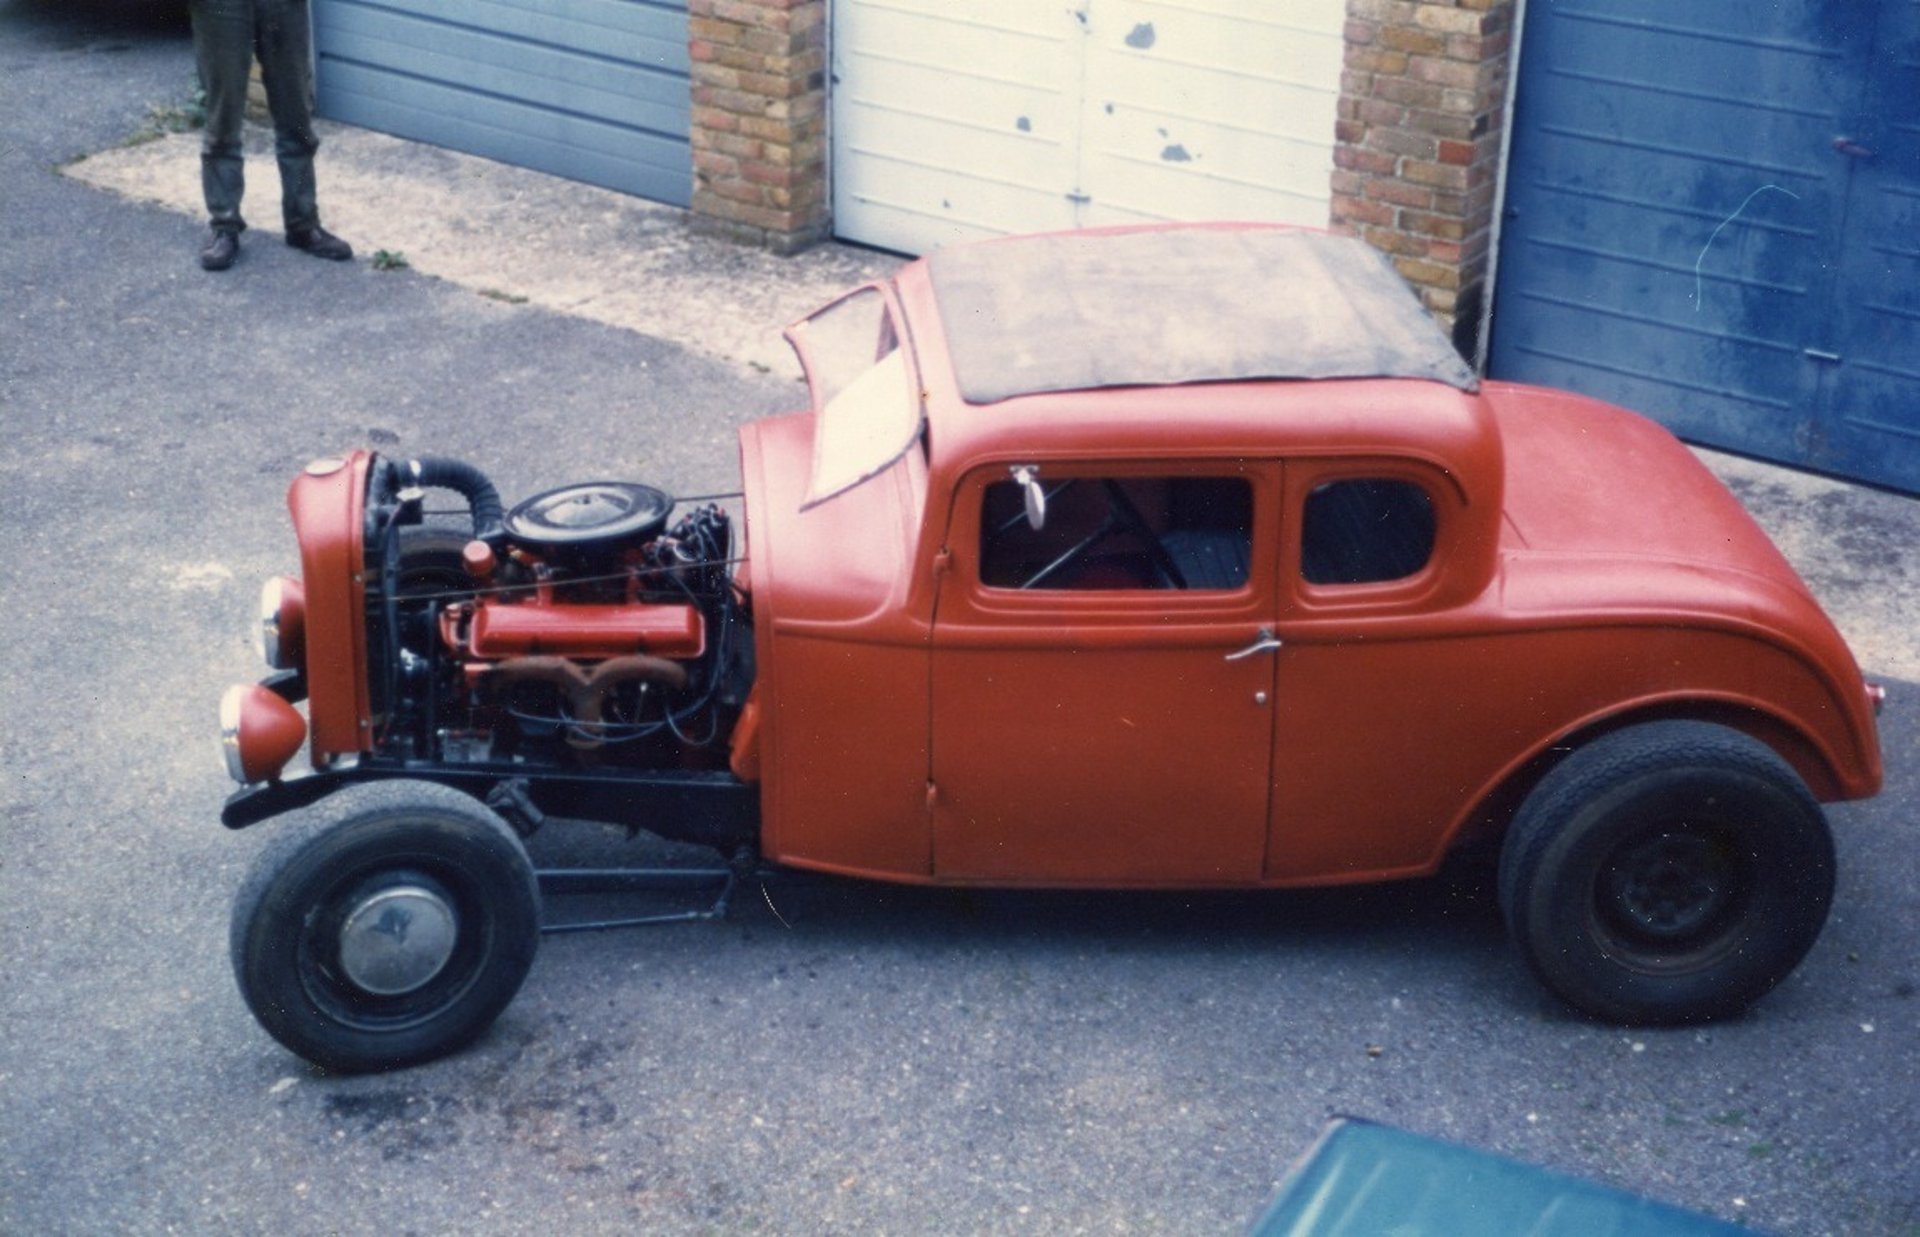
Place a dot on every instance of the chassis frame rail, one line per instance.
(566, 882)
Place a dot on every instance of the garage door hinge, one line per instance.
(1078, 198)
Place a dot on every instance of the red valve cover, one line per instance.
(588, 631)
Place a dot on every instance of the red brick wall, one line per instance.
(760, 119)
(1422, 100)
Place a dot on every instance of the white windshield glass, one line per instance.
(865, 410)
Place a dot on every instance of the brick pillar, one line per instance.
(760, 120)
(1422, 102)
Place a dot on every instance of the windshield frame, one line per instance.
(823, 397)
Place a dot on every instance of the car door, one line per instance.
(1102, 683)
(1384, 721)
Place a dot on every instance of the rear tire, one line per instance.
(1671, 872)
(385, 926)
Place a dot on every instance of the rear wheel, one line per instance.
(388, 925)
(1667, 873)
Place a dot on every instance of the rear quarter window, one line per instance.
(1365, 530)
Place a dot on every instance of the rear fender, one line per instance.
(1488, 822)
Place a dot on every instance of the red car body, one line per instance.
(931, 702)
(1588, 572)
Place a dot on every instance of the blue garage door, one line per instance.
(594, 90)
(1713, 216)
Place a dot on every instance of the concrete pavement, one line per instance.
(517, 237)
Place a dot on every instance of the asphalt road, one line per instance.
(867, 1059)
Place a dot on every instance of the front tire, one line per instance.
(1667, 873)
(386, 926)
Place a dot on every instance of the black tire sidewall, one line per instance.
(1714, 781)
(458, 843)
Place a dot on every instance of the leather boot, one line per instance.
(220, 250)
(321, 244)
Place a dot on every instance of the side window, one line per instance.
(1120, 533)
(1365, 531)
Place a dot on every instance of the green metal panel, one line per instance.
(1365, 1180)
(594, 90)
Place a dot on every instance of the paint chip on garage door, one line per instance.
(958, 122)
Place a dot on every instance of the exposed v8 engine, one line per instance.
(581, 628)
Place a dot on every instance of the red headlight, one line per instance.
(283, 623)
(259, 733)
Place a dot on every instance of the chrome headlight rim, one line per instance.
(230, 702)
(267, 634)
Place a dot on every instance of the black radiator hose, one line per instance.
(437, 472)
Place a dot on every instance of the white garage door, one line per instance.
(952, 122)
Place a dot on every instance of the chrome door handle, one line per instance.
(1264, 641)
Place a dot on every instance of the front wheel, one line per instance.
(1667, 873)
(388, 926)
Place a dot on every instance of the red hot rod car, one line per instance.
(1173, 557)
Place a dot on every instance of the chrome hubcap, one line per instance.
(397, 940)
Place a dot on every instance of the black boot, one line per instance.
(220, 250)
(321, 244)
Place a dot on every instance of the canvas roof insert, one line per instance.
(1075, 311)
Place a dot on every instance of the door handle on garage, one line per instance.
(1264, 641)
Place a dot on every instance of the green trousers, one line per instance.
(227, 35)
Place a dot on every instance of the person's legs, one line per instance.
(283, 41)
(223, 46)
